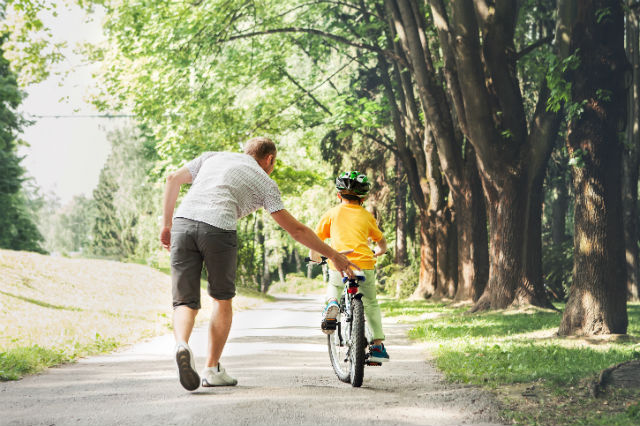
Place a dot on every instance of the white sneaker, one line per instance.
(217, 376)
(189, 378)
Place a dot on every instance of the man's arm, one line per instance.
(171, 190)
(304, 235)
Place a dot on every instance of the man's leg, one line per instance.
(219, 326)
(183, 319)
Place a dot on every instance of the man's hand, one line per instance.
(165, 237)
(343, 265)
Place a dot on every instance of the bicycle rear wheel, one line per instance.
(339, 345)
(358, 344)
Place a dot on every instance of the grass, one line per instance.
(298, 284)
(55, 310)
(20, 361)
(540, 378)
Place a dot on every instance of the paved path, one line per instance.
(279, 357)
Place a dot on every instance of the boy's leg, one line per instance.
(371, 307)
(331, 307)
(334, 286)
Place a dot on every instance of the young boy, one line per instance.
(350, 227)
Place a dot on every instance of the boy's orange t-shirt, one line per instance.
(350, 226)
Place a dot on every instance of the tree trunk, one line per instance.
(447, 259)
(532, 289)
(598, 295)
(401, 216)
(559, 205)
(427, 280)
(631, 162)
(506, 222)
(471, 223)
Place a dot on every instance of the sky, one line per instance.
(65, 154)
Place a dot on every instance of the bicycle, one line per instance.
(348, 343)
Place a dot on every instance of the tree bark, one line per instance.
(401, 216)
(471, 222)
(559, 203)
(427, 280)
(598, 295)
(446, 250)
(631, 162)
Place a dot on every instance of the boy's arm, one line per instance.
(381, 247)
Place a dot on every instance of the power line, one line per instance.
(81, 115)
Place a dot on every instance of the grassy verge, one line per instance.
(55, 310)
(298, 284)
(538, 377)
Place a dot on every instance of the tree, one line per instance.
(631, 159)
(127, 198)
(18, 230)
(598, 294)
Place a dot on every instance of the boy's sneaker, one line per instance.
(189, 378)
(329, 316)
(217, 376)
(378, 353)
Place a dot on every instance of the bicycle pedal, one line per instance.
(329, 324)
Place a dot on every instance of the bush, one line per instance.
(398, 281)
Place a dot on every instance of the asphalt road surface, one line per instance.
(279, 356)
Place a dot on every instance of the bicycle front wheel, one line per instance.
(339, 346)
(358, 344)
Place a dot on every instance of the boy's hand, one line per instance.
(378, 251)
(315, 256)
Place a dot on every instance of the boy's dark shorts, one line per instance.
(193, 242)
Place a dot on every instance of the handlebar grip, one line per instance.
(308, 259)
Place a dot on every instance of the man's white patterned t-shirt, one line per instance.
(227, 186)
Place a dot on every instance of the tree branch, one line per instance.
(306, 92)
(533, 46)
(320, 33)
(337, 3)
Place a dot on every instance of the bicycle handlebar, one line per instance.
(324, 260)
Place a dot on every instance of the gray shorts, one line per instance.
(193, 243)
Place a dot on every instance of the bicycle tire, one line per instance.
(338, 353)
(358, 344)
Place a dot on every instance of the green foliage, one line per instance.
(28, 43)
(561, 88)
(577, 158)
(67, 229)
(127, 201)
(397, 281)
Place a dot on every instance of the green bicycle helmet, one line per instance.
(353, 183)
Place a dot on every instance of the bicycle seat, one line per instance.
(359, 277)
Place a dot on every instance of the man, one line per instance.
(226, 186)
